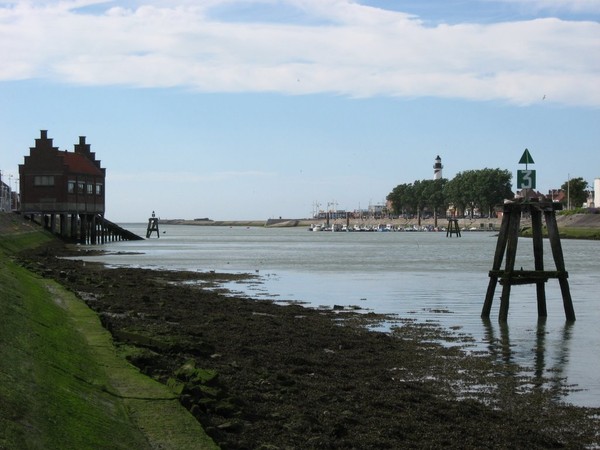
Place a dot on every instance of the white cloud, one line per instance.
(350, 49)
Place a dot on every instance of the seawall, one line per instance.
(62, 382)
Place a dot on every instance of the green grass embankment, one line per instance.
(62, 385)
(579, 233)
(569, 233)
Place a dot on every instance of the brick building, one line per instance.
(65, 189)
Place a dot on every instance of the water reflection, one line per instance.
(498, 348)
(548, 372)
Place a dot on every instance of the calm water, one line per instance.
(423, 276)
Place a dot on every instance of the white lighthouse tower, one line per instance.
(437, 168)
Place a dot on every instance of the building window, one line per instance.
(90, 188)
(98, 189)
(43, 180)
(71, 187)
(80, 187)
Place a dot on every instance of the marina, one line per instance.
(338, 227)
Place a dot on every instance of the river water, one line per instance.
(423, 276)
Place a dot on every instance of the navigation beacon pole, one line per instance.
(437, 175)
(152, 226)
(507, 242)
(452, 228)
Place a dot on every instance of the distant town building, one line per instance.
(437, 168)
(333, 214)
(5, 196)
(533, 194)
(377, 211)
(597, 193)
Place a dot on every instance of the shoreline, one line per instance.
(256, 373)
(340, 225)
(571, 226)
(284, 223)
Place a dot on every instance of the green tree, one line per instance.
(402, 199)
(576, 192)
(420, 197)
(479, 189)
(492, 187)
(467, 191)
(434, 197)
(460, 191)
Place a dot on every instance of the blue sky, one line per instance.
(233, 109)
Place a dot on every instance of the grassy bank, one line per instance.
(580, 233)
(569, 233)
(62, 385)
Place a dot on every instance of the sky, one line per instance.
(249, 110)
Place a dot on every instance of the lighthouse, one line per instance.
(437, 168)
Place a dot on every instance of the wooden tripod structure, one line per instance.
(507, 242)
(452, 227)
(152, 226)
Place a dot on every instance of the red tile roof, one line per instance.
(80, 164)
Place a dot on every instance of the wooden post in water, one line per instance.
(507, 242)
(538, 260)
(560, 263)
(452, 227)
(152, 226)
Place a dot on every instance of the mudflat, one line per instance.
(262, 375)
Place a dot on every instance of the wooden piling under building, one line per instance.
(89, 229)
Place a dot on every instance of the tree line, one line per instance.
(467, 192)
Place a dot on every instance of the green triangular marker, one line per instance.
(526, 158)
